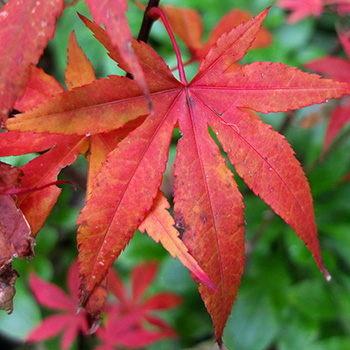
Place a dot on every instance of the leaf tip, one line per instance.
(96, 324)
(79, 308)
(325, 272)
(327, 275)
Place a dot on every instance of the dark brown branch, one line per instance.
(286, 122)
(147, 22)
(146, 25)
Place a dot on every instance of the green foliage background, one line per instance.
(284, 302)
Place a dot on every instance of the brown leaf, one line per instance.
(16, 239)
(8, 278)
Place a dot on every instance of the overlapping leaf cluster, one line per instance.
(126, 138)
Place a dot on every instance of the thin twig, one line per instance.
(72, 3)
(146, 26)
(286, 122)
(334, 145)
(268, 216)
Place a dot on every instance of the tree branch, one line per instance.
(147, 22)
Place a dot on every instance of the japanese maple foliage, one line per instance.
(130, 321)
(38, 205)
(108, 120)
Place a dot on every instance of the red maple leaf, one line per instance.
(208, 206)
(131, 321)
(336, 68)
(69, 322)
(37, 206)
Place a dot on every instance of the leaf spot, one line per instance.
(207, 175)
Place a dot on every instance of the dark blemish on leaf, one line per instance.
(190, 101)
(204, 219)
(266, 158)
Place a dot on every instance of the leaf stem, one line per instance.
(157, 12)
